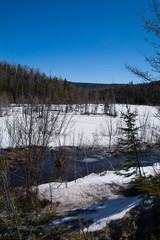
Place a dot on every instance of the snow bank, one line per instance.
(90, 189)
(99, 190)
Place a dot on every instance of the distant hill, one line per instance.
(147, 93)
(95, 85)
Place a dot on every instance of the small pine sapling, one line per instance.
(131, 143)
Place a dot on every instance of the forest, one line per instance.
(21, 84)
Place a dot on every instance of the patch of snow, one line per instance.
(100, 214)
(90, 189)
(113, 209)
(98, 190)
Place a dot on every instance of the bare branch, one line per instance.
(144, 75)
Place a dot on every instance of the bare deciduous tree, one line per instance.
(144, 124)
(32, 133)
(151, 25)
(108, 130)
(10, 222)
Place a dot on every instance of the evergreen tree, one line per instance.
(131, 143)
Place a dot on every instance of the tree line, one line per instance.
(21, 84)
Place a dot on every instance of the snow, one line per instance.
(99, 192)
(113, 209)
(89, 189)
(101, 213)
(87, 129)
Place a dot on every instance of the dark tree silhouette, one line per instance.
(151, 26)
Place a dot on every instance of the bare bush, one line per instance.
(33, 132)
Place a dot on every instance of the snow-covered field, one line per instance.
(90, 129)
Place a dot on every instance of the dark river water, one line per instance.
(75, 165)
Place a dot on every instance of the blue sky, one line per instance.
(80, 40)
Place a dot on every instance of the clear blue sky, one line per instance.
(81, 40)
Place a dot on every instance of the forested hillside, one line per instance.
(20, 84)
(145, 94)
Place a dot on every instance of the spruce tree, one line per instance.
(130, 143)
